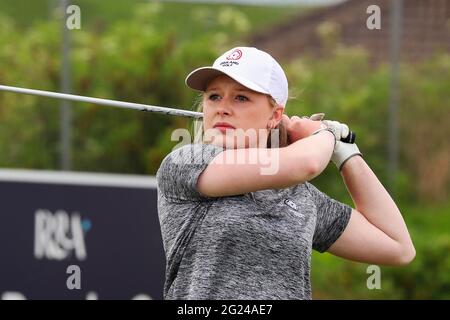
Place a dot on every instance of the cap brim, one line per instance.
(199, 79)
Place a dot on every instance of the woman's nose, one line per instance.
(223, 108)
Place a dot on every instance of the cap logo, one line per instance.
(235, 55)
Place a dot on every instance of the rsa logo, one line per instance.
(60, 235)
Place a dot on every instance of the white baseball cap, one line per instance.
(252, 68)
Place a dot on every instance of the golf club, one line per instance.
(121, 104)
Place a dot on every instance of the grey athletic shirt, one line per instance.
(251, 246)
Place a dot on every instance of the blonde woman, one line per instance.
(234, 231)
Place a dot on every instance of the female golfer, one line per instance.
(239, 218)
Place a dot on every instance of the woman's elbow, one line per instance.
(313, 167)
(302, 169)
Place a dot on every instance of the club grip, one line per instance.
(350, 138)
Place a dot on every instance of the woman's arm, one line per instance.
(376, 232)
(228, 174)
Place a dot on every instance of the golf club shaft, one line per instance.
(121, 104)
(105, 102)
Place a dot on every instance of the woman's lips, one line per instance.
(223, 128)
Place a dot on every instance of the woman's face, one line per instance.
(235, 116)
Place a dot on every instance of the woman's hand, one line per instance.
(299, 128)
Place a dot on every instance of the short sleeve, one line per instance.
(332, 219)
(179, 171)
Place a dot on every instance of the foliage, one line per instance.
(146, 58)
(347, 88)
(427, 277)
(131, 61)
(133, 51)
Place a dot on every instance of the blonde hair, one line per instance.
(283, 140)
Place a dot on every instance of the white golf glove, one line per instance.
(340, 130)
(342, 150)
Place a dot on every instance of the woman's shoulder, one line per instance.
(190, 153)
(188, 156)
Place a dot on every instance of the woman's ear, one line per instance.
(276, 122)
(277, 115)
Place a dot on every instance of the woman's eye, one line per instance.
(214, 97)
(242, 98)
